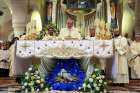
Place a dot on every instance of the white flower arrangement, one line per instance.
(30, 69)
(25, 84)
(95, 82)
(91, 80)
(33, 81)
(84, 85)
(38, 81)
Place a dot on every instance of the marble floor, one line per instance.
(8, 85)
(14, 90)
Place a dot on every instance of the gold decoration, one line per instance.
(103, 33)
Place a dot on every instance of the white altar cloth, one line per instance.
(98, 48)
(103, 48)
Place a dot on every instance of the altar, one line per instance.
(86, 48)
(70, 43)
(65, 56)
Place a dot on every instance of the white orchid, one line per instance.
(36, 72)
(35, 75)
(38, 77)
(32, 89)
(42, 80)
(99, 85)
(31, 73)
(88, 86)
(38, 81)
(93, 76)
(97, 88)
(100, 81)
(27, 77)
(103, 76)
(105, 83)
(32, 77)
(26, 73)
(23, 87)
(38, 90)
(46, 89)
(42, 85)
(84, 85)
(26, 91)
(25, 84)
(94, 84)
(91, 80)
(30, 69)
(79, 88)
(30, 84)
(97, 77)
(96, 69)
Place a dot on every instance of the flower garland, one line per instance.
(72, 67)
(33, 81)
(46, 28)
(95, 82)
(51, 25)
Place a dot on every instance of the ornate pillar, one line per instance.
(120, 13)
(54, 11)
(19, 14)
(137, 16)
(108, 11)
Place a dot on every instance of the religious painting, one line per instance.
(81, 4)
(113, 9)
(48, 11)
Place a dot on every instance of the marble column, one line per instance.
(19, 16)
(120, 13)
(137, 16)
(108, 11)
(54, 11)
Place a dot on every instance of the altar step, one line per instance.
(12, 81)
(134, 85)
(8, 81)
(134, 82)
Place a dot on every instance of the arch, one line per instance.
(5, 20)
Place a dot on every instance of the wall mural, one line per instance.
(113, 9)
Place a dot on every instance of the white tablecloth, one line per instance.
(98, 48)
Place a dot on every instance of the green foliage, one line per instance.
(51, 25)
(48, 26)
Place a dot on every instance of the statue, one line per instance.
(113, 7)
(103, 31)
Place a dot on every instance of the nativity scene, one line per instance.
(71, 46)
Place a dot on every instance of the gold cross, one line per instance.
(104, 45)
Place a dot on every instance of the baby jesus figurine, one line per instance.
(64, 76)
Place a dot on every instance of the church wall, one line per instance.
(5, 30)
(128, 20)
